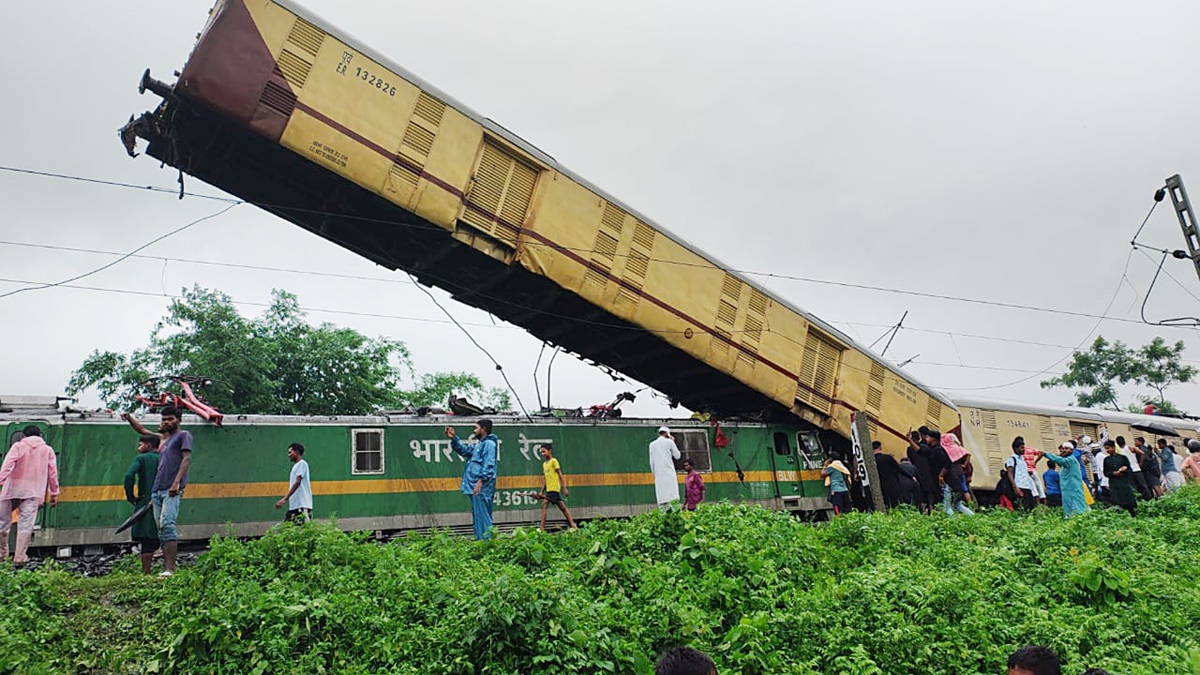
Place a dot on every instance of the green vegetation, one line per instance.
(1097, 371)
(761, 592)
(276, 364)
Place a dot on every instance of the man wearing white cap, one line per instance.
(663, 453)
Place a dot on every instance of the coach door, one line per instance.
(12, 434)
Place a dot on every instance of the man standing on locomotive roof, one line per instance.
(174, 460)
(479, 476)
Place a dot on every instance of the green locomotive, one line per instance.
(396, 472)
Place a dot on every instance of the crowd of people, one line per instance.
(936, 471)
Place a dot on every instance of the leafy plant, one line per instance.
(869, 594)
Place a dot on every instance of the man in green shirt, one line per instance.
(142, 471)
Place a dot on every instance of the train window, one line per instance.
(17, 436)
(1090, 430)
(693, 445)
(810, 449)
(781, 444)
(367, 451)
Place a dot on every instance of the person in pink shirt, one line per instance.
(29, 469)
(693, 487)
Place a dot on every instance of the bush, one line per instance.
(761, 592)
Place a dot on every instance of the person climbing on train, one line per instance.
(30, 469)
(140, 474)
(889, 475)
(663, 455)
(693, 486)
(1120, 482)
(299, 499)
(1070, 480)
(954, 484)
(554, 486)
(836, 477)
(170, 481)
(479, 476)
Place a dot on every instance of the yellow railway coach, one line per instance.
(276, 106)
(989, 427)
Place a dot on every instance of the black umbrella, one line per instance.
(1155, 428)
(137, 515)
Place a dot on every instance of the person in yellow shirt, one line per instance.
(554, 486)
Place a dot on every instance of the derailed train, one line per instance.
(396, 472)
(281, 109)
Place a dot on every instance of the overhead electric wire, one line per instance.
(705, 265)
(212, 263)
(120, 259)
(110, 183)
(1120, 283)
(476, 343)
(248, 303)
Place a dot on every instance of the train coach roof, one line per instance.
(548, 160)
(1073, 412)
(377, 420)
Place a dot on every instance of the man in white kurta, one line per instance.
(663, 453)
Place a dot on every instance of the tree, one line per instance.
(435, 388)
(1161, 365)
(1105, 365)
(276, 364)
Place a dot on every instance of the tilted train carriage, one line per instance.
(397, 472)
(280, 108)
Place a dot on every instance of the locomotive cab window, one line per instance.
(693, 445)
(367, 451)
(810, 448)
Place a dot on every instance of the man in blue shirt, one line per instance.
(479, 476)
(1053, 487)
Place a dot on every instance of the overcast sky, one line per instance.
(1001, 151)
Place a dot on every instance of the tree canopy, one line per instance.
(276, 363)
(1105, 365)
